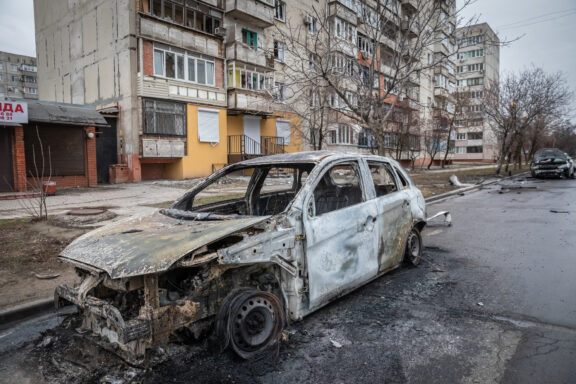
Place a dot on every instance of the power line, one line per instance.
(524, 21)
(539, 21)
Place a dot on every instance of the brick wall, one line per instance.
(219, 68)
(148, 57)
(19, 159)
(90, 169)
(152, 171)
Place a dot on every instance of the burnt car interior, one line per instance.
(338, 188)
(269, 191)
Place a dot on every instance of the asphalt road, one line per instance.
(494, 301)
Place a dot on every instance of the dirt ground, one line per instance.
(28, 252)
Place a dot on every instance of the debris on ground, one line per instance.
(336, 344)
(454, 181)
(46, 276)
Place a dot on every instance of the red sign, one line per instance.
(13, 113)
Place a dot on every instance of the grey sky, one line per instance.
(548, 26)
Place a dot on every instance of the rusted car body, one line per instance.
(305, 229)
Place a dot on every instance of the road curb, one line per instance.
(22, 311)
(442, 196)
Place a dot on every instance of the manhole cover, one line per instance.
(86, 211)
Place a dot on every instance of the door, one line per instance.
(394, 214)
(6, 171)
(341, 234)
(106, 149)
(251, 125)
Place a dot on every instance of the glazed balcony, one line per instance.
(259, 13)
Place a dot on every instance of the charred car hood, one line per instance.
(148, 244)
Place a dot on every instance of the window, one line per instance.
(365, 45)
(178, 64)
(474, 149)
(313, 62)
(344, 30)
(312, 25)
(280, 10)
(29, 79)
(283, 130)
(472, 40)
(31, 91)
(14, 67)
(1, 77)
(279, 49)
(2, 89)
(15, 79)
(471, 54)
(1, 66)
(475, 136)
(344, 134)
(249, 77)
(383, 178)
(208, 126)
(342, 64)
(28, 68)
(280, 93)
(314, 99)
(475, 81)
(164, 118)
(339, 188)
(460, 150)
(189, 13)
(250, 38)
(475, 122)
(461, 136)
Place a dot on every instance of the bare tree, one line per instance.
(521, 101)
(366, 61)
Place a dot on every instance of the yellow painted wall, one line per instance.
(235, 125)
(200, 156)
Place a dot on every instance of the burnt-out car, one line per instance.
(302, 230)
(552, 162)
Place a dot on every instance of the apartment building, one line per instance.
(188, 86)
(18, 76)
(181, 83)
(478, 65)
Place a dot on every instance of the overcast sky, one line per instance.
(547, 27)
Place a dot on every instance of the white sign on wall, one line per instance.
(13, 113)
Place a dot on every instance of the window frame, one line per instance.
(186, 57)
(208, 14)
(280, 10)
(145, 131)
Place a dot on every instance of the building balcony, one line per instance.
(408, 103)
(239, 51)
(246, 101)
(443, 70)
(410, 28)
(163, 148)
(443, 93)
(342, 10)
(243, 147)
(410, 6)
(259, 13)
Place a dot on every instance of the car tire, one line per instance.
(250, 321)
(413, 249)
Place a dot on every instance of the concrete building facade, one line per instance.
(18, 76)
(478, 66)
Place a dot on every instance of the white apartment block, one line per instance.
(478, 65)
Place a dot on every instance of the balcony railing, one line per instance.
(259, 13)
(243, 147)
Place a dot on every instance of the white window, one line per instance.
(344, 30)
(279, 49)
(1, 66)
(178, 64)
(283, 130)
(28, 68)
(460, 149)
(312, 25)
(31, 91)
(280, 10)
(208, 126)
(14, 67)
(365, 45)
(1, 77)
(342, 134)
(314, 99)
(461, 136)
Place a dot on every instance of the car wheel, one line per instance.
(413, 252)
(250, 321)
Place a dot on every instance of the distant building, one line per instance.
(478, 66)
(18, 76)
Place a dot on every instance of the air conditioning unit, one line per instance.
(307, 20)
(220, 31)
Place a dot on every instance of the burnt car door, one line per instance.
(341, 234)
(393, 200)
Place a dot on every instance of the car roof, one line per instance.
(301, 157)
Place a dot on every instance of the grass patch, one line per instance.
(9, 222)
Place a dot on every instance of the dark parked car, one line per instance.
(552, 162)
